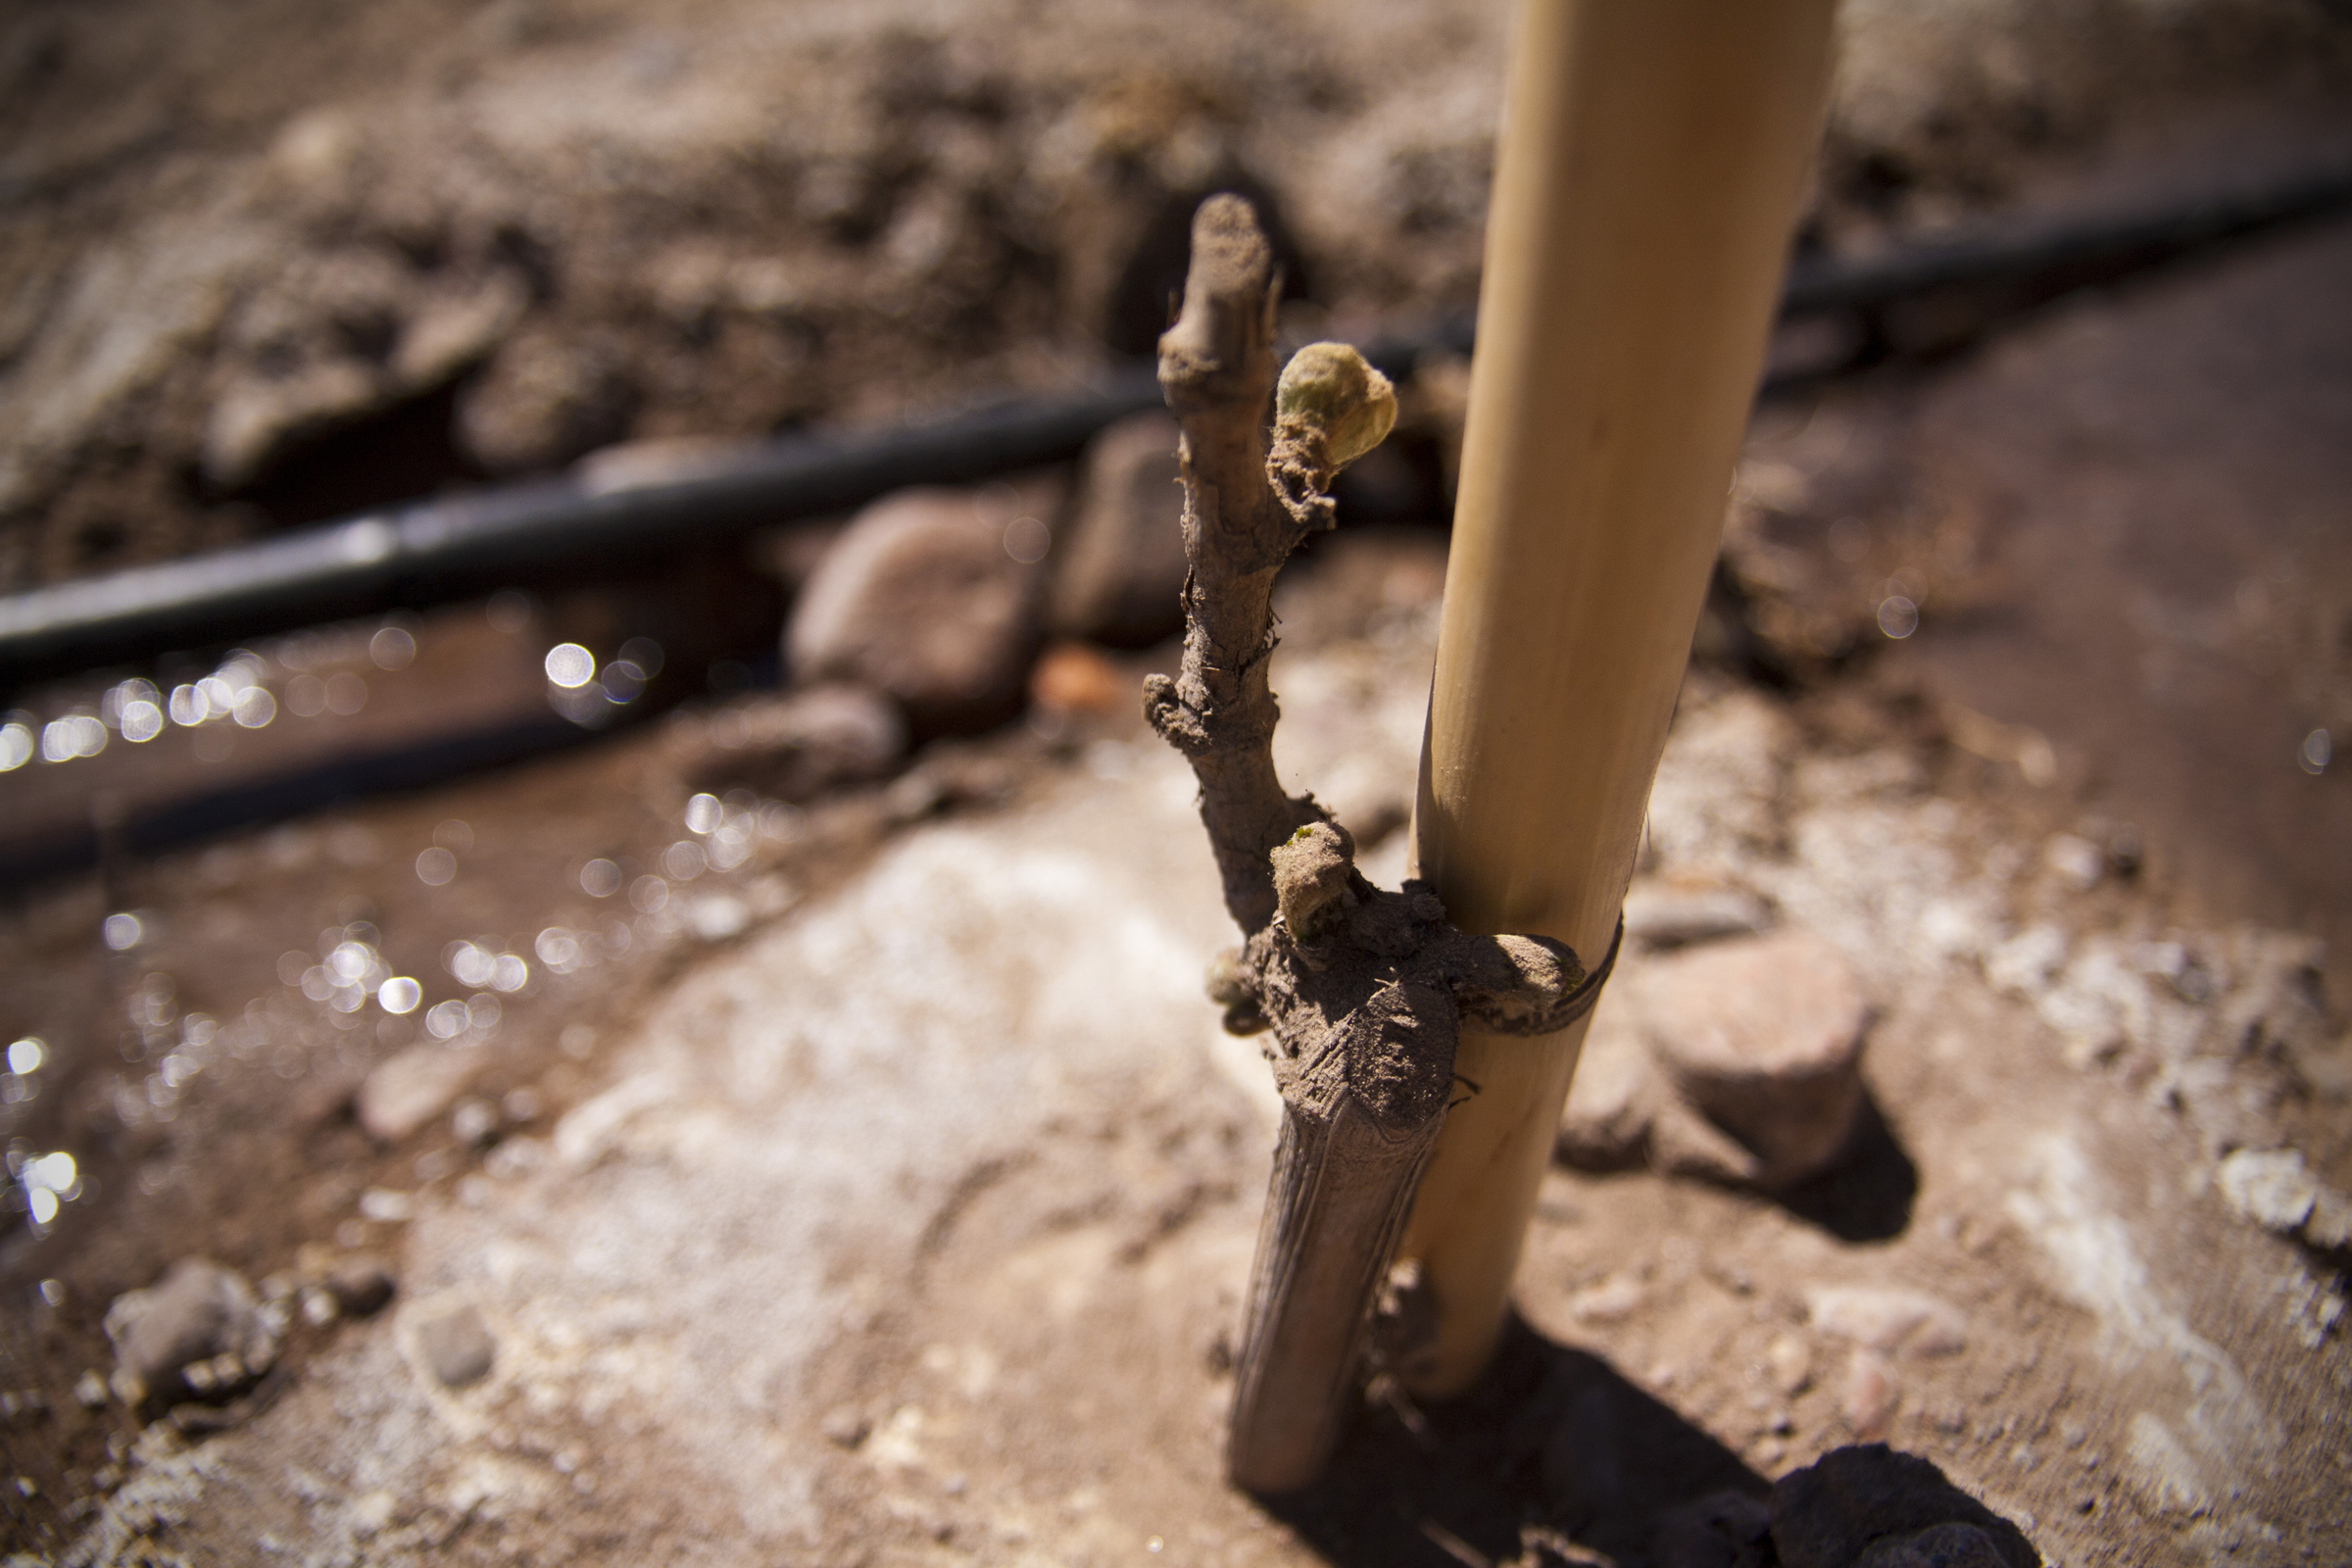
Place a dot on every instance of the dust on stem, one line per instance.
(1362, 991)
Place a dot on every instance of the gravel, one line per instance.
(199, 1329)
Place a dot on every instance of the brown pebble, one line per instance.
(1072, 677)
(1870, 1394)
(845, 1426)
(1119, 575)
(457, 1346)
(360, 1286)
(924, 599)
(1762, 1036)
(406, 1091)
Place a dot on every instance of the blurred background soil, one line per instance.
(2052, 593)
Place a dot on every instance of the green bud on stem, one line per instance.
(1329, 388)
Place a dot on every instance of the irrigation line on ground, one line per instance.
(436, 549)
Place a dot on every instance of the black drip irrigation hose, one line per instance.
(434, 551)
(2076, 243)
(111, 836)
(430, 551)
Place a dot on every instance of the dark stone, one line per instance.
(1832, 1511)
(197, 1312)
(360, 1286)
(1946, 1546)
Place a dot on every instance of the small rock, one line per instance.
(1660, 916)
(1119, 576)
(1762, 1036)
(922, 600)
(1789, 1362)
(1890, 1321)
(360, 1286)
(654, 462)
(798, 746)
(198, 1316)
(1072, 678)
(411, 1088)
(2029, 963)
(1612, 1300)
(456, 328)
(89, 1391)
(473, 1121)
(1830, 1512)
(387, 1206)
(1612, 1099)
(2078, 863)
(596, 1127)
(845, 1426)
(1869, 1398)
(2330, 1221)
(719, 917)
(456, 1346)
(2270, 1187)
(950, 779)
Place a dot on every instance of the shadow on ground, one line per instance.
(1552, 1438)
(1868, 1195)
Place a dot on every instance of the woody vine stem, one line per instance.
(1361, 992)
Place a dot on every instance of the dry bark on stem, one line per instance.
(1364, 991)
(1216, 369)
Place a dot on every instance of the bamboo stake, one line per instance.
(1648, 172)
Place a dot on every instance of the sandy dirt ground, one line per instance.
(909, 1223)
